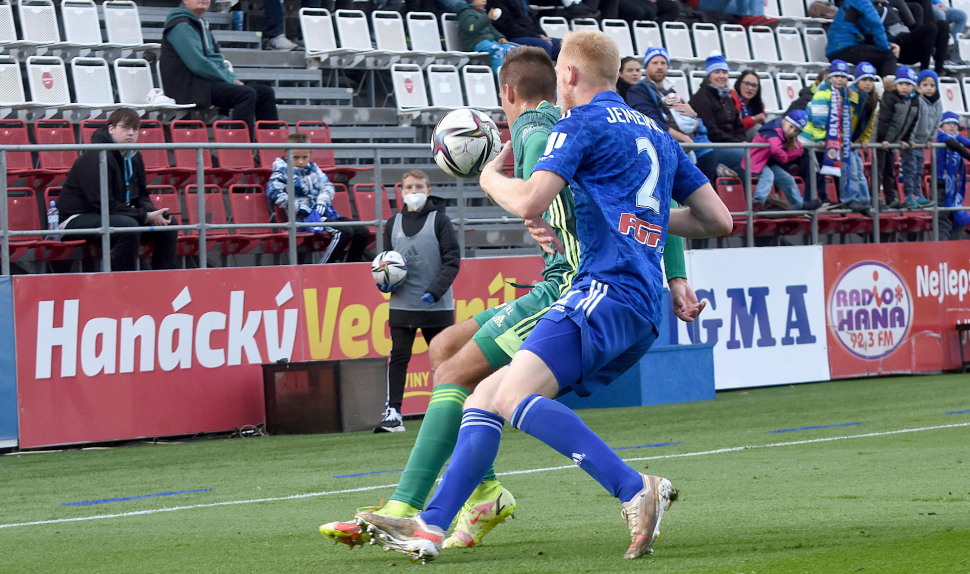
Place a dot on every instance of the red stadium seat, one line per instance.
(19, 163)
(341, 201)
(194, 131)
(238, 162)
(23, 215)
(271, 131)
(88, 127)
(319, 132)
(248, 205)
(731, 192)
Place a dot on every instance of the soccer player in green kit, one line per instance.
(463, 355)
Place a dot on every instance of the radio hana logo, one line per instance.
(870, 309)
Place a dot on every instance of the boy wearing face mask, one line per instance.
(424, 236)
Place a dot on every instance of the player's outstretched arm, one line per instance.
(525, 199)
(704, 215)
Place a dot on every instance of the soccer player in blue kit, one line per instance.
(623, 171)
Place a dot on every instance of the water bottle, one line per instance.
(237, 20)
(53, 221)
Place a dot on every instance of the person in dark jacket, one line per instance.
(424, 236)
(478, 34)
(630, 75)
(715, 106)
(898, 113)
(129, 204)
(858, 35)
(194, 72)
(521, 26)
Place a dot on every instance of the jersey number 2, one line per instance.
(645, 195)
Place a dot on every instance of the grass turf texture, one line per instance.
(887, 504)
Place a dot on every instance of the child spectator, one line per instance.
(477, 33)
(313, 195)
(830, 121)
(692, 126)
(951, 176)
(897, 121)
(781, 135)
(423, 235)
(911, 160)
(863, 101)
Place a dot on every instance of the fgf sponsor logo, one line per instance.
(870, 310)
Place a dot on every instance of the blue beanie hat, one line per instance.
(840, 68)
(799, 118)
(714, 63)
(905, 75)
(950, 118)
(653, 53)
(928, 74)
(865, 70)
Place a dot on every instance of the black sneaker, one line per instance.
(393, 422)
(811, 205)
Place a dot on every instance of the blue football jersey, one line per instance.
(623, 170)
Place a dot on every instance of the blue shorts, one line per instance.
(588, 339)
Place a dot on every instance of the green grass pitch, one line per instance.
(868, 499)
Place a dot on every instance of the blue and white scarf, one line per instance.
(838, 138)
(950, 168)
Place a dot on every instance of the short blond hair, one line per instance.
(593, 53)
(416, 174)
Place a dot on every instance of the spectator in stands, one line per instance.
(630, 75)
(274, 31)
(772, 163)
(951, 176)
(477, 33)
(747, 100)
(194, 72)
(521, 26)
(714, 104)
(313, 194)
(129, 204)
(913, 27)
(426, 238)
(750, 12)
(858, 35)
(958, 19)
(649, 97)
(599, 9)
(897, 120)
(863, 102)
(927, 124)
(659, 11)
(830, 122)
(805, 94)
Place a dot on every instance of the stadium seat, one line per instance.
(735, 42)
(47, 79)
(319, 133)
(788, 87)
(678, 82)
(449, 27)
(12, 94)
(215, 213)
(92, 83)
(793, 9)
(790, 45)
(354, 33)
(38, 22)
(966, 91)
(81, 25)
(706, 39)
(619, 31)
(341, 201)
(578, 24)
(133, 77)
(89, 126)
(731, 192)
(769, 96)
(366, 209)
(696, 78)
(23, 215)
(389, 31)
(8, 31)
(554, 26)
(19, 163)
(271, 131)
(248, 206)
(193, 132)
(951, 95)
(57, 163)
(763, 48)
(410, 93)
(238, 162)
(676, 37)
(425, 35)
(815, 42)
(480, 88)
(646, 34)
(156, 160)
(445, 86)
(122, 25)
(771, 9)
(319, 38)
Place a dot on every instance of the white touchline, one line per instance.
(514, 472)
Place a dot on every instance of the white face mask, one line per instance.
(415, 201)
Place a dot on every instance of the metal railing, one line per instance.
(374, 152)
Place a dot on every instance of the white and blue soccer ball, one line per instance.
(389, 268)
(464, 141)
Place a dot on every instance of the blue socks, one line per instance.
(478, 441)
(562, 429)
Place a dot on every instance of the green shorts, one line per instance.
(503, 328)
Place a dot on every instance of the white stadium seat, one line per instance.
(47, 79)
(735, 42)
(966, 91)
(389, 31)
(815, 41)
(771, 9)
(11, 83)
(763, 46)
(769, 96)
(38, 21)
(951, 95)
(793, 8)
(410, 92)
(92, 82)
(319, 38)
(788, 87)
(122, 24)
(352, 29)
(81, 25)
(706, 39)
(133, 77)
(424, 33)
(677, 40)
(619, 31)
(790, 46)
(553, 26)
(480, 88)
(445, 86)
(578, 24)
(646, 34)
(696, 78)
(678, 81)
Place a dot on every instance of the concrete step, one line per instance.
(242, 58)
